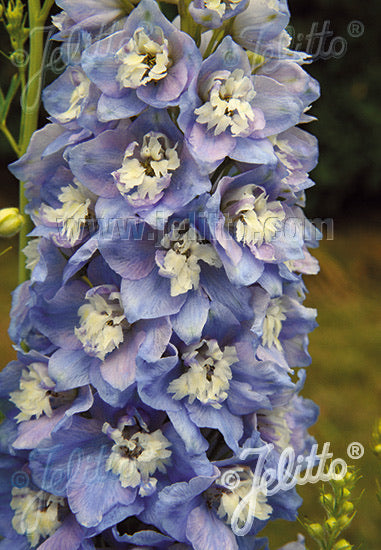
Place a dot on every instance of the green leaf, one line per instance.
(6, 103)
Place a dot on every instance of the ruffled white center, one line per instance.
(208, 373)
(220, 7)
(101, 326)
(272, 323)
(228, 105)
(180, 263)
(77, 203)
(32, 253)
(135, 458)
(142, 59)
(247, 500)
(33, 395)
(143, 172)
(77, 99)
(36, 514)
(255, 219)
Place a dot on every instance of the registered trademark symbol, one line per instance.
(355, 450)
(355, 29)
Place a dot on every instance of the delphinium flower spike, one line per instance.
(159, 334)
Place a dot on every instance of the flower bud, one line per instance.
(347, 507)
(15, 13)
(339, 482)
(327, 499)
(344, 521)
(11, 222)
(377, 450)
(315, 530)
(331, 523)
(342, 544)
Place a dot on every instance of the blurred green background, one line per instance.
(344, 378)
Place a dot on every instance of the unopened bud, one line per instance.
(315, 530)
(331, 523)
(342, 544)
(15, 12)
(340, 482)
(377, 450)
(344, 521)
(327, 499)
(11, 222)
(347, 507)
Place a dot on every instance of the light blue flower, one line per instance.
(144, 168)
(147, 62)
(234, 112)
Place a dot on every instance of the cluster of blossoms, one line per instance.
(158, 335)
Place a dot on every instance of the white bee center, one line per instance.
(134, 459)
(33, 395)
(31, 253)
(255, 219)
(181, 261)
(102, 321)
(228, 105)
(245, 501)
(272, 323)
(220, 7)
(144, 171)
(77, 204)
(36, 514)
(208, 373)
(142, 59)
(77, 99)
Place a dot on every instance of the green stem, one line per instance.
(30, 106)
(47, 6)
(10, 138)
(187, 22)
(216, 38)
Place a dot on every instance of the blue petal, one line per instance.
(115, 108)
(149, 298)
(58, 317)
(219, 288)
(158, 333)
(70, 368)
(119, 368)
(205, 530)
(189, 322)
(229, 425)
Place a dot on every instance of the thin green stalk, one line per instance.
(216, 38)
(11, 140)
(45, 10)
(187, 22)
(30, 106)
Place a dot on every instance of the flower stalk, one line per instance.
(164, 316)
